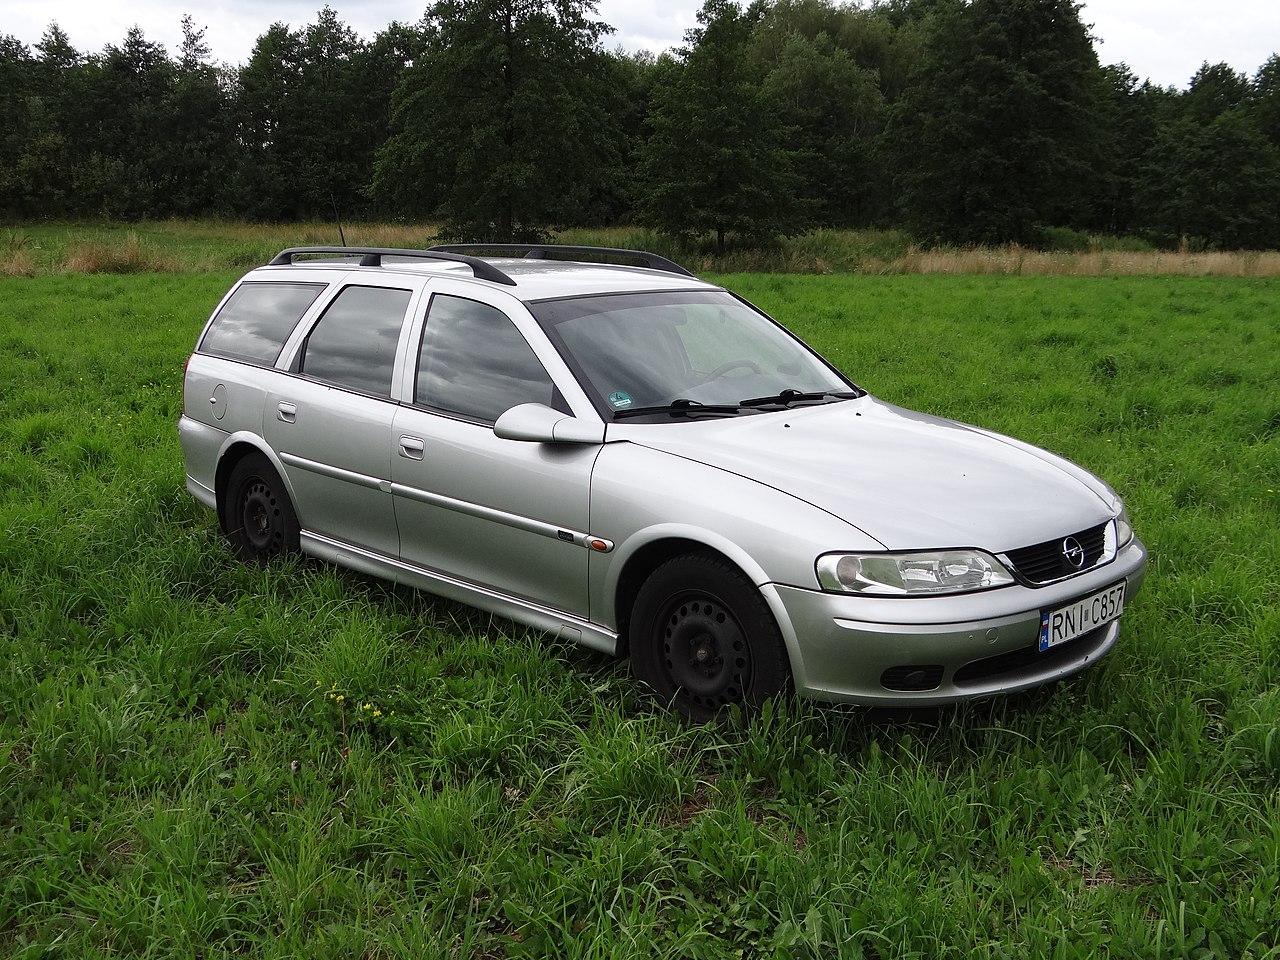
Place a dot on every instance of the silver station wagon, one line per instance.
(637, 460)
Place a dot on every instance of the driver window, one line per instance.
(474, 362)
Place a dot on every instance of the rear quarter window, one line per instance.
(256, 320)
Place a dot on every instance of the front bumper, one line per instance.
(897, 651)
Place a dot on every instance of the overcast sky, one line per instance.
(1164, 41)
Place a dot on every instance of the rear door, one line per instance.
(331, 421)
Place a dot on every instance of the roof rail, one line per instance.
(372, 257)
(548, 251)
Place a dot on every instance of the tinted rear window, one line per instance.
(255, 322)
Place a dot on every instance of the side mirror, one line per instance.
(538, 423)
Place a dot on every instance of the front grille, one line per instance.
(1046, 562)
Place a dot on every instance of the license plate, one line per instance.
(1081, 616)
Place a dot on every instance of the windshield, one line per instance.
(693, 349)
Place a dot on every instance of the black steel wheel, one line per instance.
(703, 639)
(261, 521)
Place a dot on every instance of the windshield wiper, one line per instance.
(681, 407)
(684, 407)
(789, 396)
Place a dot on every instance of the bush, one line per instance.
(1063, 240)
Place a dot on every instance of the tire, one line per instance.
(703, 639)
(261, 522)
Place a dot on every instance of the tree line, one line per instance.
(962, 121)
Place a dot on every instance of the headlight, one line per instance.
(906, 574)
(1124, 529)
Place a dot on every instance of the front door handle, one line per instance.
(412, 448)
(286, 412)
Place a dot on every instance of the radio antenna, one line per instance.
(337, 216)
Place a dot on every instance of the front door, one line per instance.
(508, 515)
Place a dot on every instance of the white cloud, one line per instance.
(1166, 41)
(1163, 40)
(656, 26)
(233, 26)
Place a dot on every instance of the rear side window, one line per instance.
(354, 344)
(257, 319)
(474, 362)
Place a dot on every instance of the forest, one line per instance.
(962, 122)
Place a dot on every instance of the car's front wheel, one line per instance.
(703, 639)
(261, 521)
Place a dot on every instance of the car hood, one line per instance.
(906, 479)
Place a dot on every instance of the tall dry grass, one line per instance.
(16, 260)
(213, 246)
(1016, 261)
(305, 234)
(131, 256)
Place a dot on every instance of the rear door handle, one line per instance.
(286, 412)
(412, 448)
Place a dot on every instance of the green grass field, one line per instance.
(199, 759)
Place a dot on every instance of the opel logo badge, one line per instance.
(1072, 552)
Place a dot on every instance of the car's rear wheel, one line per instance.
(703, 639)
(261, 521)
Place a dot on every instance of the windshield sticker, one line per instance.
(620, 400)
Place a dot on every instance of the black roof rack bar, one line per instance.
(372, 257)
(548, 251)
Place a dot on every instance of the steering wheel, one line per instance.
(728, 365)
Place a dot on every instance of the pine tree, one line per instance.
(17, 79)
(996, 138)
(500, 127)
(1264, 99)
(1212, 176)
(836, 111)
(199, 153)
(717, 159)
